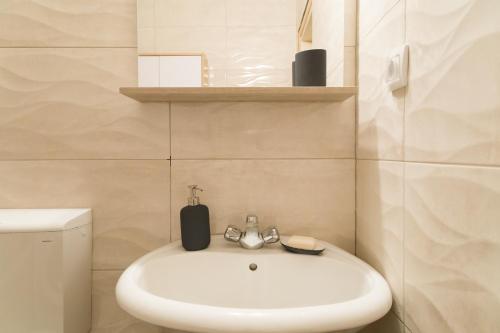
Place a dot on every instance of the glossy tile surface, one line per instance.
(256, 48)
(256, 13)
(350, 22)
(107, 316)
(248, 130)
(305, 197)
(328, 30)
(129, 201)
(190, 13)
(380, 111)
(209, 40)
(453, 103)
(247, 43)
(65, 23)
(379, 222)
(371, 12)
(76, 112)
(452, 248)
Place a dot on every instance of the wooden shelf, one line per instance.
(240, 94)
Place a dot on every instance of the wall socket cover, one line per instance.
(397, 68)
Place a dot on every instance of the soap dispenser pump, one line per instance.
(195, 225)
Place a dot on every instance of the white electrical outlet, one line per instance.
(397, 68)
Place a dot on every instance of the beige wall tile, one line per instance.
(210, 40)
(248, 130)
(190, 13)
(453, 103)
(238, 37)
(261, 13)
(147, 40)
(64, 104)
(146, 12)
(380, 112)
(308, 197)
(68, 23)
(388, 324)
(371, 13)
(328, 30)
(107, 316)
(452, 248)
(350, 22)
(256, 48)
(129, 201)
(349, 65)
(379, 222)
(259, 77)
(335, 77)
(217, 78)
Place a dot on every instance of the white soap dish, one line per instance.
(318, 249)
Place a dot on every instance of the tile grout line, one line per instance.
(68, 47)
(451, 164)
(170, 172)
(356, 117)
(183, 159)
(403, 273)
(378, 21)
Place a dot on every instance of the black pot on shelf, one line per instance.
(309, 68)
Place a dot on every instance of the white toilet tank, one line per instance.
(45, 270)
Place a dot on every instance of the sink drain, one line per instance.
(252, 266)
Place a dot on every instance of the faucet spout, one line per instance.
(251, 238)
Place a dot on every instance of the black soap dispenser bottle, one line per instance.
(195, 224)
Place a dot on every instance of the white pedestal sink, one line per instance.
(215, 291)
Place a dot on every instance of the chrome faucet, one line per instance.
(251, 238)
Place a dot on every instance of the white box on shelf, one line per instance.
(148, 71)
(181, 70)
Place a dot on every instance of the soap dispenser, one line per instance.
(195, 226)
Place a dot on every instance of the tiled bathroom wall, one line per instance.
(247, 43)
(428, 166)
(334, 29)
(69, 139)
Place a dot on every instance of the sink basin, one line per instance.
(229, 289)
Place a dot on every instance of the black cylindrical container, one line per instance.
(310, 68)
(293, 73)
(195, 224)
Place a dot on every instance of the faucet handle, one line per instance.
(232, 234)
(270, 235)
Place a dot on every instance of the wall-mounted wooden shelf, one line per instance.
(240, 94)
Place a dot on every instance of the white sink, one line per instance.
(215, 291)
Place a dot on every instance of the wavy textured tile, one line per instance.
(260, 47)
(305, 197)
(107, 316)
(64, 104)
(248, 130)
(328, 30)
(453, 102)
(129, 201)
(246, 43)
(259, 77)
(28, 23)
(261, 13)
(452, 249)
(210, 40)
(196, 13)
(380, 112)
(379, 222)
(371, 13)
